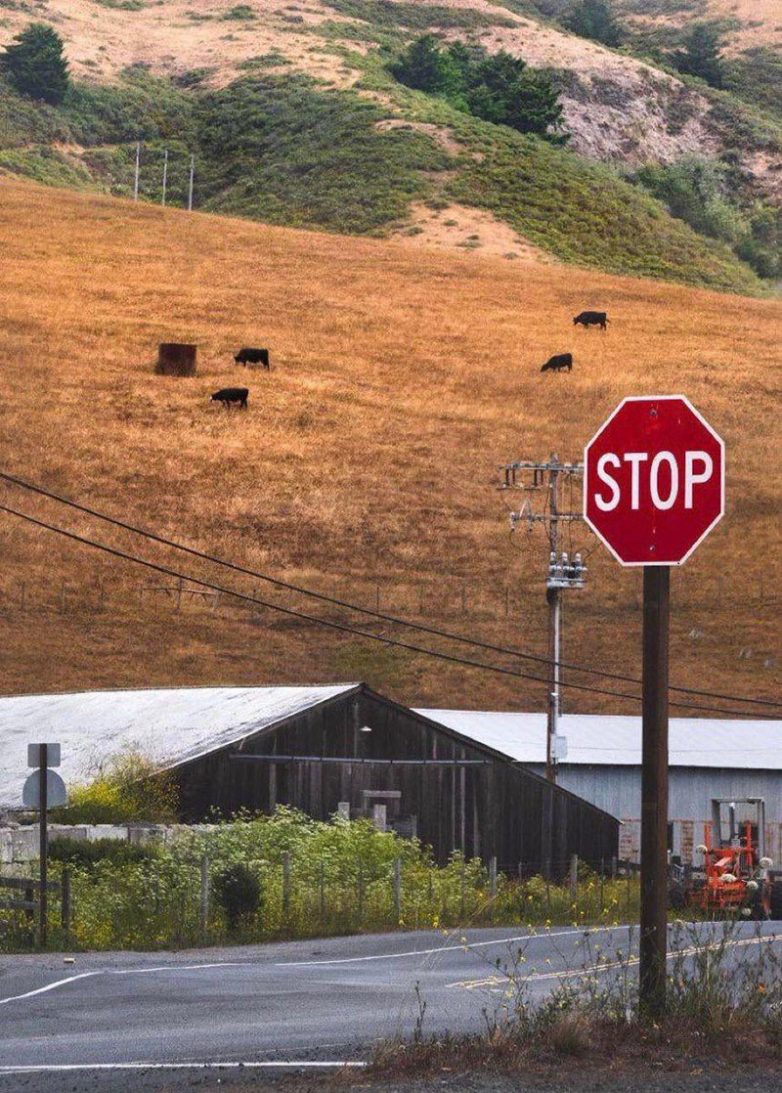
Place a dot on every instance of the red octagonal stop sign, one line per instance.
(654, 480)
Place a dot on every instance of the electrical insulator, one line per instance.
(552, 565)
(564, 565)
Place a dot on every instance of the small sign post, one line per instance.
(654, 487)
(36, 795)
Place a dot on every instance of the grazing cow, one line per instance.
(558, 362)
(227, 395)
(253, 356)
(591, 318)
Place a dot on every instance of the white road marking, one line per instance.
(126, 971)
(282, 1064)
(182, 967)
(48, 987)
(463, 946)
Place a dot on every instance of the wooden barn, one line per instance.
(324, 750)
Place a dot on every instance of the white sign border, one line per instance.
(606, 423)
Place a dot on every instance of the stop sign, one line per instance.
(654, 480)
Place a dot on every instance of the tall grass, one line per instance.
(368, 456)
(315, 879)
(723, 1008)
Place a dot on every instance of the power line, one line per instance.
(337, 602)
(331, 624)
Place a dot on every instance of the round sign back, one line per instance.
(654, 480)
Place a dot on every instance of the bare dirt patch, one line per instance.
(440, 134)
(476, 231)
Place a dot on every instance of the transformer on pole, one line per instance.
(552, 481)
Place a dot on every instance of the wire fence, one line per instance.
(171, 903)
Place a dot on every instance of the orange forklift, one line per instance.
(734, 878)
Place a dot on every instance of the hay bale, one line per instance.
(176, 359)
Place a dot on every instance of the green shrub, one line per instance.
(83, 853)
(701, 55)
(593, 19)
(240, 11)
(35, 63)
(282, 150)
(128, 788)
(238, 892)
(756, 77)
(417, 16)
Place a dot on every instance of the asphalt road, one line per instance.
(313, 1001)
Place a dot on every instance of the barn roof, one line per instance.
(615, 740)
(169, 725)
(172, 726)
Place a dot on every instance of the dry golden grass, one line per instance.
(367, 457)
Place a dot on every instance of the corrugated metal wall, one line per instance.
(462, 797)
(618, 790)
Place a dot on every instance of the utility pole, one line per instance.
(138, 170)
(165, 175)
(550, 479)
(190, 187)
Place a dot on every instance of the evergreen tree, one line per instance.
(497, 87)
(425, 67)
(504, 90)
(701, 55)
(35, 64)
(594, 19)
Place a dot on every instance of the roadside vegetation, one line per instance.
(724, 1011)
(288, 876)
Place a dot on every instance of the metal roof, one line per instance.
(171, 726)
(614, 740)
(168, 726)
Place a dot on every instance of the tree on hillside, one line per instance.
(701, 55)
(35, 63)
(594, 19)
(502, 89)
(497, 87)
(424, 66)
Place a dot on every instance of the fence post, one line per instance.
(602, 885)
(613, 867)
(65, 903)
(322, 892)
(360, 894)
(493, 877)
(462, 904)
(204, 901)
(286, 884)
(574, 877)
(398, 888)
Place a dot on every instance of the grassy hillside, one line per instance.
(294, 119)
(282, 149)
(366, 463)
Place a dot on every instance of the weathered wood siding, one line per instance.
(463, 797)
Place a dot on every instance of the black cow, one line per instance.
(591, 318)
(227, 395)
(558, 362)
(253, 356)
